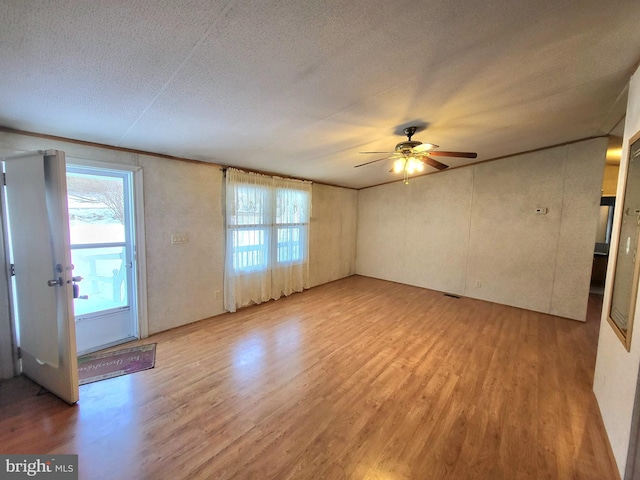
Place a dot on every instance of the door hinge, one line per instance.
(4, 179)
(19, 352)
(12, 270)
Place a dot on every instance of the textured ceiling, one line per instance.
(300, 87)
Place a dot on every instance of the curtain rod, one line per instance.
(271, 174)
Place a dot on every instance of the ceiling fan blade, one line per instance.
(366, 153)
(437, 153)
(433, 162)
(372, 161)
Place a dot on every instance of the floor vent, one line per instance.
(451, 295)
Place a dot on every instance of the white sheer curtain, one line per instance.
(267, 248)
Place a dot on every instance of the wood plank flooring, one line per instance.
(359, 378)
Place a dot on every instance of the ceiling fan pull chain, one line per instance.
(406, 173)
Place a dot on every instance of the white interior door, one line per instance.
(37, 226)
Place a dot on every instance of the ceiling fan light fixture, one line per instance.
(408, 165)
(413, 165)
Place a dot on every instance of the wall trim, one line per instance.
(159, 155)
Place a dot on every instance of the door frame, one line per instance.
(139, 249)
(9, 362)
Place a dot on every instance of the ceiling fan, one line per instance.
(411, 156)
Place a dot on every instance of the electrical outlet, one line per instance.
(478, 284)
(216, 294)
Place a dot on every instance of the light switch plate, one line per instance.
(179, 238)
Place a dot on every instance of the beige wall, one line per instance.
(616, 369)
(332, 236)
(183, 197)
(186, 197)
(417, 233)
(474, 231)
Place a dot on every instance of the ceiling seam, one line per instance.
(172, 77)
(558, 242)
(612, 108)
(469, 232)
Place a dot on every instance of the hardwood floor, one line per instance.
(359, 378)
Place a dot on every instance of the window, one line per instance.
(249, 228)
(268, 227)
(292, 224)
(267, 237)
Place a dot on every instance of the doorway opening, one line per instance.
(103, 252)
(605, 218)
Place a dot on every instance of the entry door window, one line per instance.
(98, 219)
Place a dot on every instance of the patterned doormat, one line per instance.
(100, 366)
